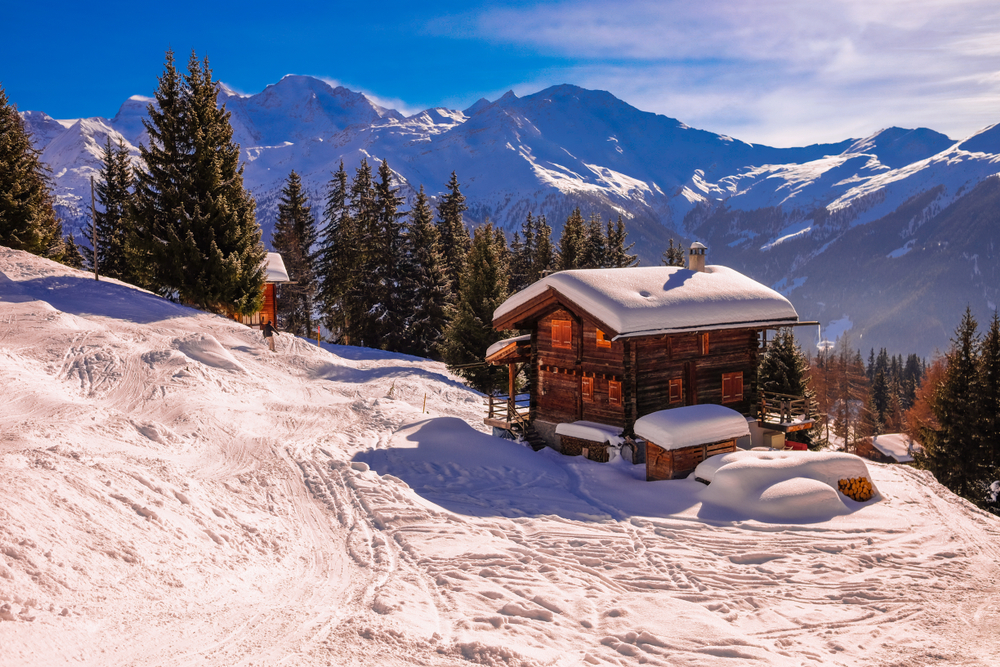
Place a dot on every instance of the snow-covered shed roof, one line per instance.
(897, 446)
(501, 344)
(657, 299)
(692, 425)
(591, 431)
(274, 269)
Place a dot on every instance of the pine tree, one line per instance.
(572, 243)
(783, 369)
(455, 240)
(360, 300)
(115, 231)
(338, 257)
(28, 220)
(673, 256)
(294, 239)
(194, 219)
(431, 289)
(989, 421)
(618, 252)
(595, 255)
(72, 256)
(470, 332)
(953, 451)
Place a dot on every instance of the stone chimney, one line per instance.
(696, 258)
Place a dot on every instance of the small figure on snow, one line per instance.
(269, 333)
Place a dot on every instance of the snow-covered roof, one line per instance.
(274, 268)
(501, 344)
(661, 299)
(591, 431)
(898, 446)
(692, 425)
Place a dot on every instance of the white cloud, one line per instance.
(783, 72)
(385, 102)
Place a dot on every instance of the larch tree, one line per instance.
(431, 289)
(195, 220)
(470, 331)
(28, 220)
(294, 239)
(455, 240)
(115, 231)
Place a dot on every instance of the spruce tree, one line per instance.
(455, 240)
(673, 255)
(294, 239)
(953, 451)
(572, 242)
(28, 220)
(989, 421)
(595, 255)
(783, 369)
(470, 331)
(115, 231)
(194, 219)
(431, 289)
(360, 300)
(72, 256)
(338, 257)
(543, 258)
(618, 252)
(391, 273)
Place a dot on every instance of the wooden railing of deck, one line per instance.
(511, 409)
(778, 408)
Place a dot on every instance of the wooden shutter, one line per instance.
(587, 387)
(601, 340)
(676, 390)
(562, 333)
(614, 392)
(732, 387)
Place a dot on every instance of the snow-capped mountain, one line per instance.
(872, 233)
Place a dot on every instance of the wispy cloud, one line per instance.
(781, 72)
(385, 102)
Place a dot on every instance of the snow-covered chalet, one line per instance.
(609, 346)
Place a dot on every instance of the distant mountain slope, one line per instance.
(795, 218)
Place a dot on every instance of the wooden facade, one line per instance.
(679, 463)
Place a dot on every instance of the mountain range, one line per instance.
(888, 237)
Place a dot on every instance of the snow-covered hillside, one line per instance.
(174, 493)
(828, 224)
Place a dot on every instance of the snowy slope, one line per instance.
(176, 494)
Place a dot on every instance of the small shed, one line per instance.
(589, 439)
(889, 448)
(678, 439)
(274, 273)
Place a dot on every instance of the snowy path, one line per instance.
(190, 499)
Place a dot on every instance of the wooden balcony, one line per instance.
(784, 412)
(507, 412)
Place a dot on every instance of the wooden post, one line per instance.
(317, 335)
(511, 374)
(93, 225)
(424, 409)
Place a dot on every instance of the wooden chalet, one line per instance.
(274, 274)
(608, 346)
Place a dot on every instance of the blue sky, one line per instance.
(779, 72)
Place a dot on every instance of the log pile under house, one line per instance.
(609, 346)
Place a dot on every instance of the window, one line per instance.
(614, 392)
(587, 386)
(732, 387)
(704, 344)
(562, 333)
(601, 340)
(676, 390)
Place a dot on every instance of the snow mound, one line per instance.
(205, 349)
(784, 486)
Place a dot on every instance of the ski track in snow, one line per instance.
(190, 499)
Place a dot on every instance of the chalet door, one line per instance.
(691, 383)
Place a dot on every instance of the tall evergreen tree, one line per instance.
(294, 239)
(28, 220)
(470, 331)
(431, 289)
(194, 218)
(953, 451)
(360, 300)
(618, 252)
(572, 242)
(989, 422)
(455, 240)
(338, 257)
(595, 255)
(391, 273)
(543, 258)
(72, 256)
(115, 231)
(673, 255)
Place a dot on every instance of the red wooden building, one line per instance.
(274, 273)
(609, 346)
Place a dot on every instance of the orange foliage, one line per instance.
(920, 415)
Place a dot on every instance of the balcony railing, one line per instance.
(511, 410)
(785, 412)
